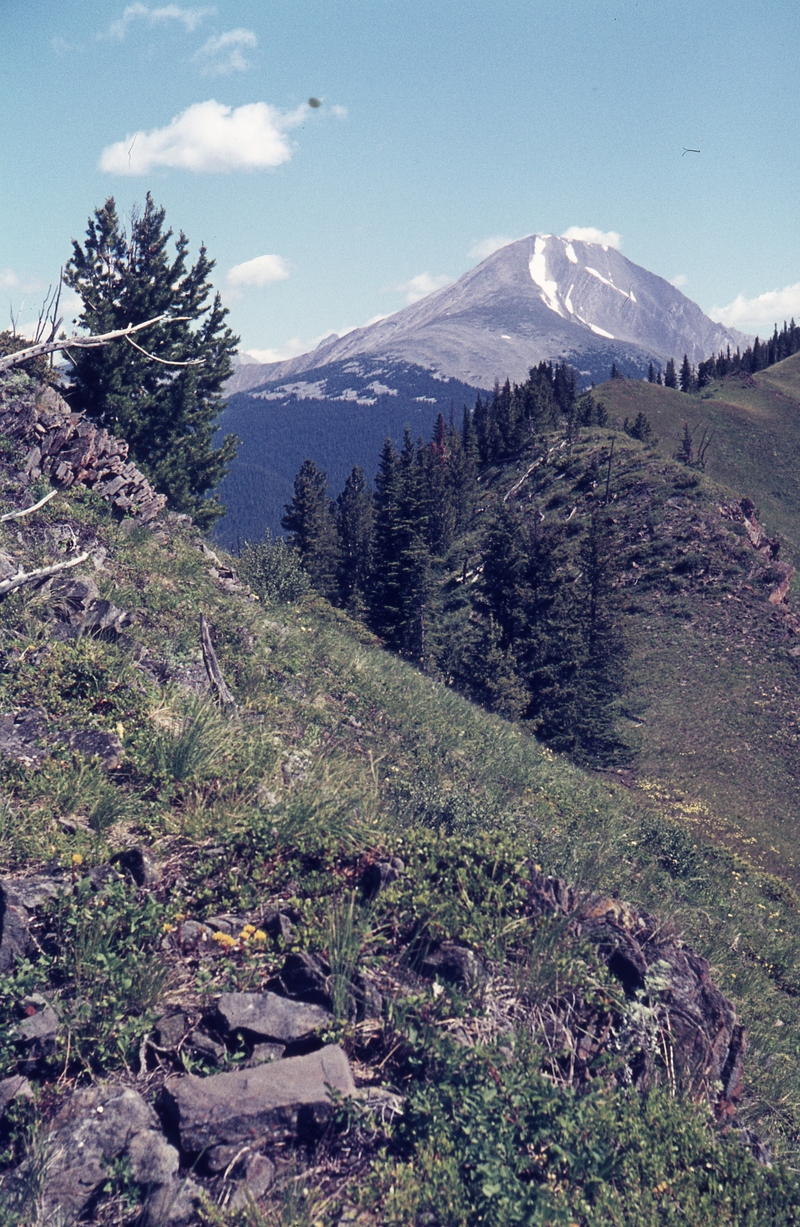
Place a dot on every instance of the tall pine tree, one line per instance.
(167, 413)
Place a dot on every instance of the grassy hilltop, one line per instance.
(756, 424)
(340, 756)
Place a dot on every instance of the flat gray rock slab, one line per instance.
(283, 1099)
(271, 1017)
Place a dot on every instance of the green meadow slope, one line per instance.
(337, 757)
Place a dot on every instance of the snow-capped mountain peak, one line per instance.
(542, 297)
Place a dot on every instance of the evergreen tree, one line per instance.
(687, 375)
(167, 413)
(670, 377)
(651, 374)
(602, 668)
(309, 518)
(355, 529)
(439, 489)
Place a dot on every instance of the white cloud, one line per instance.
(487, 247)
(422, 285)
(590, 234)
(190, 19)
(679, 281)
(291, 348)
(224, 53)
(762, 312)
(208, 136)
(261, 271)
(339, 111)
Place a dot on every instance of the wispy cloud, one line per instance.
(679, 281)
(422, 285)
(260, 271)
(590, 234)
(762, 312)
(487, 247)
(63, 46)
(208, 137)
(190, 19)
(225, 53)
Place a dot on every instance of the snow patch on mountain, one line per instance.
(537, 266)
(607, 281)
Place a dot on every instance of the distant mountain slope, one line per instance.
(540, 298)
(338, 415)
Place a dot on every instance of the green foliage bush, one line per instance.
(487, 1139)
(99, 966)
(274, 571)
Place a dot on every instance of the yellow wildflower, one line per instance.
(247, 931)
(259, 936)
(167, 928)
(224, 939)
(77, 859)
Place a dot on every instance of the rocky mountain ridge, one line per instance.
(541, 298)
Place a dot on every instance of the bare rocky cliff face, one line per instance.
(539, 299)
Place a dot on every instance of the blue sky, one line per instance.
(445, 126)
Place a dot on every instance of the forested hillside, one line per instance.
(563, 563)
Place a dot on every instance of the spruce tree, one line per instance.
(355, 529)
(167, 413)
(604, 650)
(402, 588)
(687, 375)
(309, 518)
(670, 377)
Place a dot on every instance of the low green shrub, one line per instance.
(273, 571)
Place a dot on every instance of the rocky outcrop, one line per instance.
(93, 1128)
(686, 1015)
(69, 449)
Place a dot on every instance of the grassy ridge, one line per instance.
(756, 424)
(339, 752)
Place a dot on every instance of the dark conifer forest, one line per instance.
(517, 613)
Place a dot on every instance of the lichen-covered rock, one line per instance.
(93, 1127)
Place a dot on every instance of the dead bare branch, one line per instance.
(213, 671)
(165, 361)
(30, 577)
(26, 511)
(77, 342)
